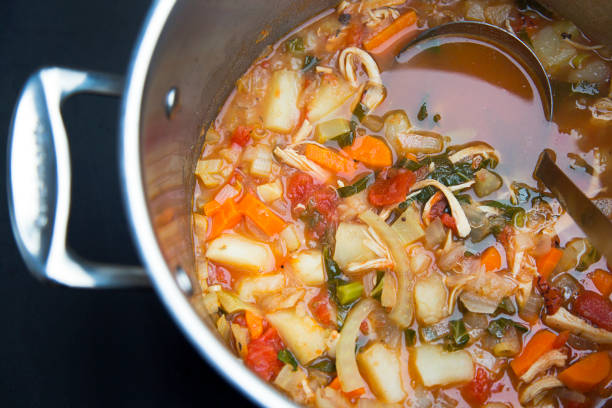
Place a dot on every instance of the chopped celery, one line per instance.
(325, 365)
(331, 129)
(486, 182)
(349, 292)
(295, 45)
(356, 187)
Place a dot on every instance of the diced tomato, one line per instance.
(240, 320)
(324, 200)
(595, 308)
(437, 209)
(300, 187)
(391, 190)
(321, 308)
(552, 296)
(218, 275)
(448, 221)
(478, 390)
(242, 135)
(262, 354)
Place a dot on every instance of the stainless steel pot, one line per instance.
(184, 65)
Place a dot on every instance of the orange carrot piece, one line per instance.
(412, 156)
(585, 374)
(211, 207)
(329, 159)
(491, 259)
(335, 384)
(541, 343)
(602, 281)
(371, 151)
(561, 339)
(261, 215)
(227, 216)
(547, 263)
(254, 324)
(402, 26)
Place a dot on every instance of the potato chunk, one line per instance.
(380, 367)
(438, 367)
(304, 337)
(250, 287)
(350, 244)
(241, 252)
(308, 267)
(332, 93)
(430, 299)
(281, 112)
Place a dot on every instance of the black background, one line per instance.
(74, 348)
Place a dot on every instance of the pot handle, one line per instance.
(39, 179)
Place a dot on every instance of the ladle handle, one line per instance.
(39, 177)
(596, 226)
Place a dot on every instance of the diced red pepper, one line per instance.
(262, 354)
(478, 390)
(595, 308)
(391, 190)
(242, 135)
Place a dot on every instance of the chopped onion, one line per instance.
(478, 304)
(475, 320)
(346, 364)
(403, 311)
(434, 233)
(487, 182)
(421, 141)
(452, 257)
(509, 345)
(542, 246)
(568, 285)
(531, 310)
(388, 297)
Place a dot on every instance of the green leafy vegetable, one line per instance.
(422, 115)
(377, 291)
(360, 111)
(287, 357)
(437, 117)
(410, 336)
(325, 365)
(356, 187)
(458, 337)
(295, 45)
(309, 63)
(497, 328)
(335, 278)
(349, 292)
(508, 211)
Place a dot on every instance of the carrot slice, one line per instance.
(371, 151)
(541, 343)
(561, 339)
(254, 324)
(401, 27)
(225, 217)
(335, 384)
(585, 374)
(261, 215)
(546, 263)
(491, 259)
(602, 281)
(329, 159)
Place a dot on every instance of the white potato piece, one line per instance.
(301, 333)
(308, 267)
(553, 52)
(281, 112)
(438, 367)
(241, 252)
(251, 287)
(270, 191)
(292, 237)
(380, 366)
(430, 299)
(332, 93)
(350, 244)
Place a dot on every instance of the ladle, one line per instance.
(596, 226)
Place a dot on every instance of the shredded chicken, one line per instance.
(580, 46)
(463, 226)
(539, 387)
(379, 16)
(374, 90)
(554, 358)
(602, 109)
(378, 263)
(480, 149)
(300, 162)
(303, 132)
(366, 5)
(564, 320)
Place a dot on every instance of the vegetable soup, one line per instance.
(367, 230)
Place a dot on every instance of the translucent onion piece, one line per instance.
(403, 311)
(346, 364)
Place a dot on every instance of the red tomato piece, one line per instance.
(242, 135)
(553, 299)
(300, 187)
(595, 308)
(448, 221)
(240, 320)
(478, 390)
(321, 308)
(324, 201)
(437, 209)
(262, 354)
(391, 190)
(218, 275)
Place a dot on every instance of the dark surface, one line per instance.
(71, 348)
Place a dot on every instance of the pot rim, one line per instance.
(200, 336)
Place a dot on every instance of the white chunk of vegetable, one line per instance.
(438, 367)
(294, 382)
(241, 338)
(332, 93)
(261, 166)
(408, 226)
(209, 172)
(200, 226)
(308, 267)
(241, 252)
(553, 52)
(281, 113)
(250, 287)
(270, 191)
(430, 298)
(350, 245)
(304, 337)
(292, 237)
(380, 366)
